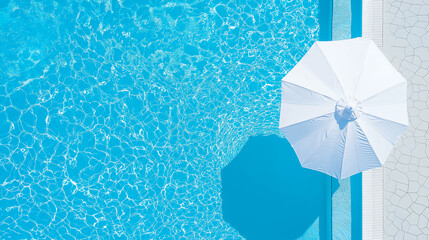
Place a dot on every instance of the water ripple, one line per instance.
(117, 116)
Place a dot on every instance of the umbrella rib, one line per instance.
(375, 94)
(356, 153)
(315, 151)
(326, 114)
(324, 124)
(377, 130)
(344, 150)
(285, 82)
(372, 115)
(335, 74)
(318, 147)
(369, 143)
(360, 72)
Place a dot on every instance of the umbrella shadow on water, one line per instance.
(266, 194)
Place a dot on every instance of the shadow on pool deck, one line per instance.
(266, 194)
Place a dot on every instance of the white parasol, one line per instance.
(343, 107)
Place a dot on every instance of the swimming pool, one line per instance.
(116, 117)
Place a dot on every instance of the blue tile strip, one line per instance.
(356, 192)
(325, 20)
(356, 181)
(325, 34)
(356, 18)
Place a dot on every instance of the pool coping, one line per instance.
(372, 180)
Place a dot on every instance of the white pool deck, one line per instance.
(401, 210)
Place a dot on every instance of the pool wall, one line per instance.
(346, 201)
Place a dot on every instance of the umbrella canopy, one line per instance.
(343, 107)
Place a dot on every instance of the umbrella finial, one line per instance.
(349, 109)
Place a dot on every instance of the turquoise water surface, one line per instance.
(116, 117)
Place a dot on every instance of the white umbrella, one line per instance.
(343, 107)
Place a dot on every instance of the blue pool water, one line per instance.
(117, 118)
